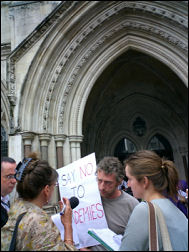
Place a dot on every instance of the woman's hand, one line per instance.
(66, 218)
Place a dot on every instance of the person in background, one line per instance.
(8, 181)
(123, 186)
(149, 176)
(36, 181)
(181, 200)
(118, 205)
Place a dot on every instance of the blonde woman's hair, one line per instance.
(161, 172)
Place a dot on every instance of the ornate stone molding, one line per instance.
(5, 49)
(60, 139)
(124, 25)
(90, 28)
(66, 6)
(44, 139)
(11, 77)
(44, 136)
(27, 135)
(27, 43)
(76, 139)
(115, 9)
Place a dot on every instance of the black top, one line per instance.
(4, 216)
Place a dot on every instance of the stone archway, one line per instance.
(134, 85)
(74, 57)
(54, 75)
(111, 30)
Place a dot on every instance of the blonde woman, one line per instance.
(151, 178)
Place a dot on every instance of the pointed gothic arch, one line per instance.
(124, 148)
(66, 55)
(161, 146)
(74, 74)
(54, 74)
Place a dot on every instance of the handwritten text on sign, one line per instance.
(78, 179)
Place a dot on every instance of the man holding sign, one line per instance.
(78, 179)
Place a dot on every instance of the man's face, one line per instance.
(7, 183)
(107, 185)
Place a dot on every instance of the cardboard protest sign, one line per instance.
(78, 179)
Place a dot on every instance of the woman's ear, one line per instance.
(46, 193)
(146, 182)
(46, 190)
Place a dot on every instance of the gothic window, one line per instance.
(161, 146)
(4, 142)
(124, 148)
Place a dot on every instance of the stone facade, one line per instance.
(77, 75)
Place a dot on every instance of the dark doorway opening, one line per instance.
(124, 149)
(161, 146)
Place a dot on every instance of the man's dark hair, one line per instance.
(7, 160)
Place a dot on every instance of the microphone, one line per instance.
(74, 201)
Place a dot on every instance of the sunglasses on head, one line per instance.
(20, 168)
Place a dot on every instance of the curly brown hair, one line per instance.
(111, 165)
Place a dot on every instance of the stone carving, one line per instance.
(133, 25)
(91, 28)
(114, 9)
(139, 127)
(67, 5)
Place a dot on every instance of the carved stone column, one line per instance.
(27, 140)
(75, 147)
(44, 141)
(59, 139)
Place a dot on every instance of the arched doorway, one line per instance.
(107, 76)
(132, 92)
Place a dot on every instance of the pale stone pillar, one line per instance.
(75, 147)
(27, 140)
(44, 141)
(59, 139)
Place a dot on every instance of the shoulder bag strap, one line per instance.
(153, 237)
(163, 229)
(13, 240)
